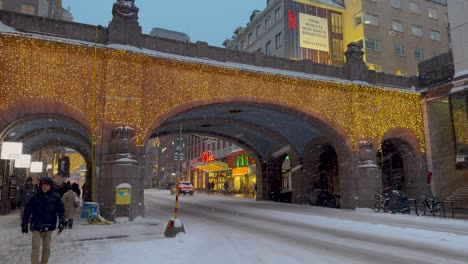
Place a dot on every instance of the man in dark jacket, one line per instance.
(26, 192)
(41, 213)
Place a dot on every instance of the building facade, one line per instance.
(396, 34)
(446, 112)
(43, 8)
(294, 29)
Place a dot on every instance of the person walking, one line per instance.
(26, 192)
(70, 203)
(253, 189)
(76, 189)
(41, 215)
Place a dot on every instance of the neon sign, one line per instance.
(207, 156)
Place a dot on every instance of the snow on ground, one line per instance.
(143, 241)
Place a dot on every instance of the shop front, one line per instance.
(243, 177)
(212, 174)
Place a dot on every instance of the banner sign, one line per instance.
(36, 166)
(11, 150)
(64, 167)
(313, 32)
(23, 162)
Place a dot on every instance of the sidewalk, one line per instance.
(15, 247)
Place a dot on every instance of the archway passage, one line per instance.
(394, 160)
(50, 139)
(270, 132)
(328, 170)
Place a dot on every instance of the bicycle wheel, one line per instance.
(386, 208)
(421, 210)
(377, 207)
(438, 210)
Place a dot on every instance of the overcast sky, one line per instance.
(211, 21)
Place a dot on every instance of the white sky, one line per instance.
(211, 243)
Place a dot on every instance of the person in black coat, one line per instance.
(41, 215)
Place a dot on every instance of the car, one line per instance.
(185, 187)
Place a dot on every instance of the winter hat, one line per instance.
(29, 179)
(45, 180)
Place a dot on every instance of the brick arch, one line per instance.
(28, 107)
(404, 134)
(319, 121)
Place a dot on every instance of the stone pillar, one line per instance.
(121, 166)
(369, 179)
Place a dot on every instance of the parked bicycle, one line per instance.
(430, 205)
(381, 202)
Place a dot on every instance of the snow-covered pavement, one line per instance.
(233, 230)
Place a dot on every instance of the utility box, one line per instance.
(123, 194)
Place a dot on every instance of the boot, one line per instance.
(65, 226)
(70, 223)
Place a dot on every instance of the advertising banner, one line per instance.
(313, 32)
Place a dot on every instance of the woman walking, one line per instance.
(70, 202)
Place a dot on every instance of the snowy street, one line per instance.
(239, 230)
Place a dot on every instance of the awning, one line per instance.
(240, 171)
(213, 166)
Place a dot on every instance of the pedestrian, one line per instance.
(253, 189)
(76, 189)
(70, 203)
(226, 187)
(41, 215)
(26, 192)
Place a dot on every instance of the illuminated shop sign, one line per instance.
(207, 156)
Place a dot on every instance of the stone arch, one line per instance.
(28, 110)
(318, 120)
(345, 170)
(28, 107)
(402, 147)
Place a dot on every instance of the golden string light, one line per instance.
(136, 89)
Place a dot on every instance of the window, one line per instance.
(435, 35)
(258, 31)
(400, 50)
(278, 43)
(242, 47)
(372, 44)
(1, 4)
(337, 23)
(419, 53)
(357, 20)
(370, 19)
(277, 14)
(375, 1)
(414, 8)
(397, 26)
(432, 13)
(416, 31)
(395, 3)
(337, 52)
(435, 53)
(250, 38)
(268, 48)
(28, 9)
(267, 23)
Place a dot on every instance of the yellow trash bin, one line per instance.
(123, 194)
